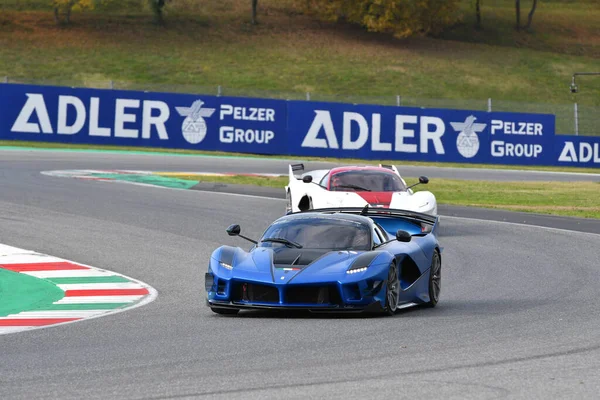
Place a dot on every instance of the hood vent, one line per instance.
(296, 257)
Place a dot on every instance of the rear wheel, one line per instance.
(224, 311)
(392, 291)
(435, 280)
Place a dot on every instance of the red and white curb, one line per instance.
(88, 174)
(89, 292)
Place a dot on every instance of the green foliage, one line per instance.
(402, 18)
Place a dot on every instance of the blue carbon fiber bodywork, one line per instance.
(250, 279)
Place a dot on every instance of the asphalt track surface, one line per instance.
(518, 316)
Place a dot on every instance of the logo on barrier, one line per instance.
(467, 142)
(194, 127)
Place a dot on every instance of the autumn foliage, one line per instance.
(402, 18)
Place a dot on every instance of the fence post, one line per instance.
(219, 91)
(489, 104)
(576, 120)
(111, 84)
(6, 79)
(398, 103)
(307, 96)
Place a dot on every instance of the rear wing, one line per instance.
(367, 211)
(295, 167)
(392, 167)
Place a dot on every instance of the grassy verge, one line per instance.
(574, 199)
(75, 147)
(211, 43)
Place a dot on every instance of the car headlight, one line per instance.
(356, 270)
(225, 265)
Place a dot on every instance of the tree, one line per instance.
(402, 18)
(254, 7)
(478, 12)
(530, 16)
(518, 11)
(157, 8)
(64, 8)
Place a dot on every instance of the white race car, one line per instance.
(356, 187)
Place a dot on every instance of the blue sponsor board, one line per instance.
(416, 134)
(303, 128)
(128, 118)
(577, 151)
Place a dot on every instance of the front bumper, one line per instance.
(374, 307)
(366, 294)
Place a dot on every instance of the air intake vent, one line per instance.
(313, 295)
(221, 286)
(254, 292)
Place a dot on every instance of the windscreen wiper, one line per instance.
(354, 187)
(288, 243)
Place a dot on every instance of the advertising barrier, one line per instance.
(577, 151)
(415, 134)
(128, 118)
(279, 127)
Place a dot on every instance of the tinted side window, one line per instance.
(325, 181)
(376, 237)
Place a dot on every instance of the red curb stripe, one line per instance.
(49, 266)
(35, 322)
(106, 292)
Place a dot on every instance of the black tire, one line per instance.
(435, 280)
(224, 311)
(392, 291)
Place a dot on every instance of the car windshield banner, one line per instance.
(416, 134)
(129, 118)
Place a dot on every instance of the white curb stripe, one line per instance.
(13, 329)
(27, 259)
(98, 299)
(76, 273)
(95, 286)
(9, 250)
(55, 314)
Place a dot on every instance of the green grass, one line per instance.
(9, 144)
(574, 199)
(287, 54)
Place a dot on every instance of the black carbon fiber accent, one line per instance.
(227, 255)
(209, 282)
(364, 260)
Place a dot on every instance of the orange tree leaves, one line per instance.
(402, 18)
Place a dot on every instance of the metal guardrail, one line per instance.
(571, 119)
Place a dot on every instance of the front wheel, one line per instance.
(392, 291)
(435, 280)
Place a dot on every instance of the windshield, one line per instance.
(319, 233)
(367, 180)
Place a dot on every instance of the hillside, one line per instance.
(207, 44)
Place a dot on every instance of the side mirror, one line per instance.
(307, 179)
(424, 180)
(234, 230)
(403, 236)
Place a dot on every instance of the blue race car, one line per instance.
(331, 260)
